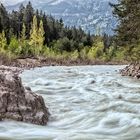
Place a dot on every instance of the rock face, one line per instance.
(17, 102)
(132, 70)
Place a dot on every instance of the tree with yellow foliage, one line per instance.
(37, 36)
(3, 41)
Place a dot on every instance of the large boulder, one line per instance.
(132, 70)
(17, 102)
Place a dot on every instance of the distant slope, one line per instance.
(91, 15)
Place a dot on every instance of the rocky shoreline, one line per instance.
(17, 102)
(132, 70)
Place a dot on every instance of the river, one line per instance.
(85, 102)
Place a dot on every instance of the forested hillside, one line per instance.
(31, 33)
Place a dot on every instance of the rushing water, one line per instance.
(86, 103)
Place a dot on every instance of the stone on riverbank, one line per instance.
(132, 70)
(17, 102)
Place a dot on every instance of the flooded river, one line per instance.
(86, 103)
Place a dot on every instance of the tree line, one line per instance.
(31, 33)
(30, 22)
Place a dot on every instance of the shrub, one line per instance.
(14, 46)
(63, 44)
(83, 53)
(96, 51)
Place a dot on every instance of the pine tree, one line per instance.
(28, 18)
(38, 17)
(46, 29)
(4, 19)
(15, 24)
(20, 16)
(128, 14)
(0, 25)
(21, 12)
(89, 40)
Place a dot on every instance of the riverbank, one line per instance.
(40, 62)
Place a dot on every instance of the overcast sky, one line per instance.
(10, 2)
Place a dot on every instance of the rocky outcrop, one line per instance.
(17, 102)
(132, 70)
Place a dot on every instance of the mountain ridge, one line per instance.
(92, 15)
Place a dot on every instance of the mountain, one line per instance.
(92, 15)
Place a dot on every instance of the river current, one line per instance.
(85, 102)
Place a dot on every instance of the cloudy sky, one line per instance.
(10, 2)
